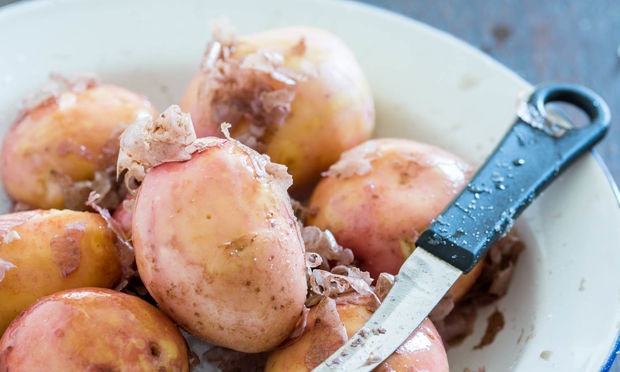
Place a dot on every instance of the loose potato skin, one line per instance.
(381, 195)
(217, 245)
(60, 142)
(422, 351)
(50, 251)
(332, 110)
(92, 329)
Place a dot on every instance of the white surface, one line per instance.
(563, 309)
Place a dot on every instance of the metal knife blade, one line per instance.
(420, 284)
(533, 153)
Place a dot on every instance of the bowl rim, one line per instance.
(25, 6)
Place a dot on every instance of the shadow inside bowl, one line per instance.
(519, 316)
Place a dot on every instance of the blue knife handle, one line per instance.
(535, 151)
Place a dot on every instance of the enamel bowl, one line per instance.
(562, 311)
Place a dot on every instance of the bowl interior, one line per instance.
(562, 311)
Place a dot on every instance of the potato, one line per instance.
(218, 246)
(123, 215)
(381, 195)
(422, 351)
(63, 140)
(48, 251)
(91, 329)
(297, 94)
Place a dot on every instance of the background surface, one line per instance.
(564, 41)
(542, 41)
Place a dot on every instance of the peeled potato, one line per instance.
(93, 329)
(297, 94)
(42, 252)
(422, 351)
(381, 195)
(218, 246)
(63, 140)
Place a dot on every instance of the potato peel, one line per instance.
(4, 267)
(331, 281)
(356, 161)
(59, 88)
(149, 142)
(323, 243)
(323, 284)
(65, 248)
(10, 236)
(258, 87)
(329, 333)
(124, 249)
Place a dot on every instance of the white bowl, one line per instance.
(562, 311)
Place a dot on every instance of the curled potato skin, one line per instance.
(60, 142)
(52, 251)
(93, 329)
(332, 109)
(382, 194)
(218, 247)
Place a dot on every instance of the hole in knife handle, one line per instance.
(559, 108)
(567, 116)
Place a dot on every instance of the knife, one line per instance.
(536, 149)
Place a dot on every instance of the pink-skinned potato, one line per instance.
(64, 140)
(123, 216)
(422, 351)
(380, 196)
(42, 252)
(92, 329)
(218, 246)
(297, 94)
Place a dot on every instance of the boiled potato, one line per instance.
(422, 351)
(63, 140)
(381, 195)
(122, 216)
(92, 329)
(48, 251)
(297, 94)
(218, 247)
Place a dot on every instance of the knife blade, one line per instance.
(537, 148)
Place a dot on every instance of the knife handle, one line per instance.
(536, 149)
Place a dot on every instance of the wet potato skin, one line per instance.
(422, 351)
(332, 111)
(218, 247)
(380, 213)
(55, 250)
(92, 329)
(60, 142)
